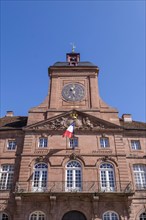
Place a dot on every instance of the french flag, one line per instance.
(69, 131)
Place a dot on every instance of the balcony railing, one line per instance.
(141, 186)
(70, 187)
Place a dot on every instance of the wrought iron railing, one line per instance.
(141, 186)
(85, 187)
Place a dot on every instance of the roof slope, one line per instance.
(134, 125)
(86, 63)
(14, 122)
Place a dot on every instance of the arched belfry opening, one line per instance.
(74, 215)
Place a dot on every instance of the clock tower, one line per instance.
(73, 85)
(72, 157)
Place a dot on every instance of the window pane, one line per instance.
(69, 178)
(135, 145)
(33, 217)
(73, 176)
(6, 177)
(3, 216)
(11, 145)
(40, 176)
(73, 164)
(38, 215)
(104, 142)
(107, 177)
(110, 216)
(143, 216)
(140, 176)
(43, 142)
(73, 142)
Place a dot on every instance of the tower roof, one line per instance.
(82, 64)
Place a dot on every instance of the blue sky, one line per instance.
(36, 34)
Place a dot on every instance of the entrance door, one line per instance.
(74, 215)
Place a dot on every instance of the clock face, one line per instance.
(73, 92)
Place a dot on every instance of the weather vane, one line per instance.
(73, 47)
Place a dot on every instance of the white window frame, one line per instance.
(110, 215)
(40, 177)
(37, 215)
(107, 177)
(104, 142)
(4, 216)
(6, 176)
(11, 145)
(43, 142)
(73, 142)
(73, 176)
(135, 145)
(142, 216)
(140, 176)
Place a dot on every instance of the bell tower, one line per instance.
(73, 85)
(73, 58)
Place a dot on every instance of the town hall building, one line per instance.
(96, 173)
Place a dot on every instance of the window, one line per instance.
(135, 145)
(107, 177)
(4, 216)
(37, 215)
(73, 142)
(104, 142)
(73, 176)
(140, 176)
(110, 216)
(40, 177)
(6, 177)
(11, 145)
(43, 142)
(142, 216)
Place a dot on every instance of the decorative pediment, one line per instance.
(82, 122)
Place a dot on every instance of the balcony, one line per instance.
(73, 187)
(141, 186)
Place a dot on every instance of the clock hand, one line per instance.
(73, 87)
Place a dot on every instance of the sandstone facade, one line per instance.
(100, 173)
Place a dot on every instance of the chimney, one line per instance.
(127, 117)
(10, 114)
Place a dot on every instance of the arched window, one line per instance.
(140, 176)
(73, 176)
(110, 216)
(142, 216)
(107, 179)
(40, 177)
(37, 215)
(4, 216)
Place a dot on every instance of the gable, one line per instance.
(82, 121)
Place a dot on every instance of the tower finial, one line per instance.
(73, 47)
